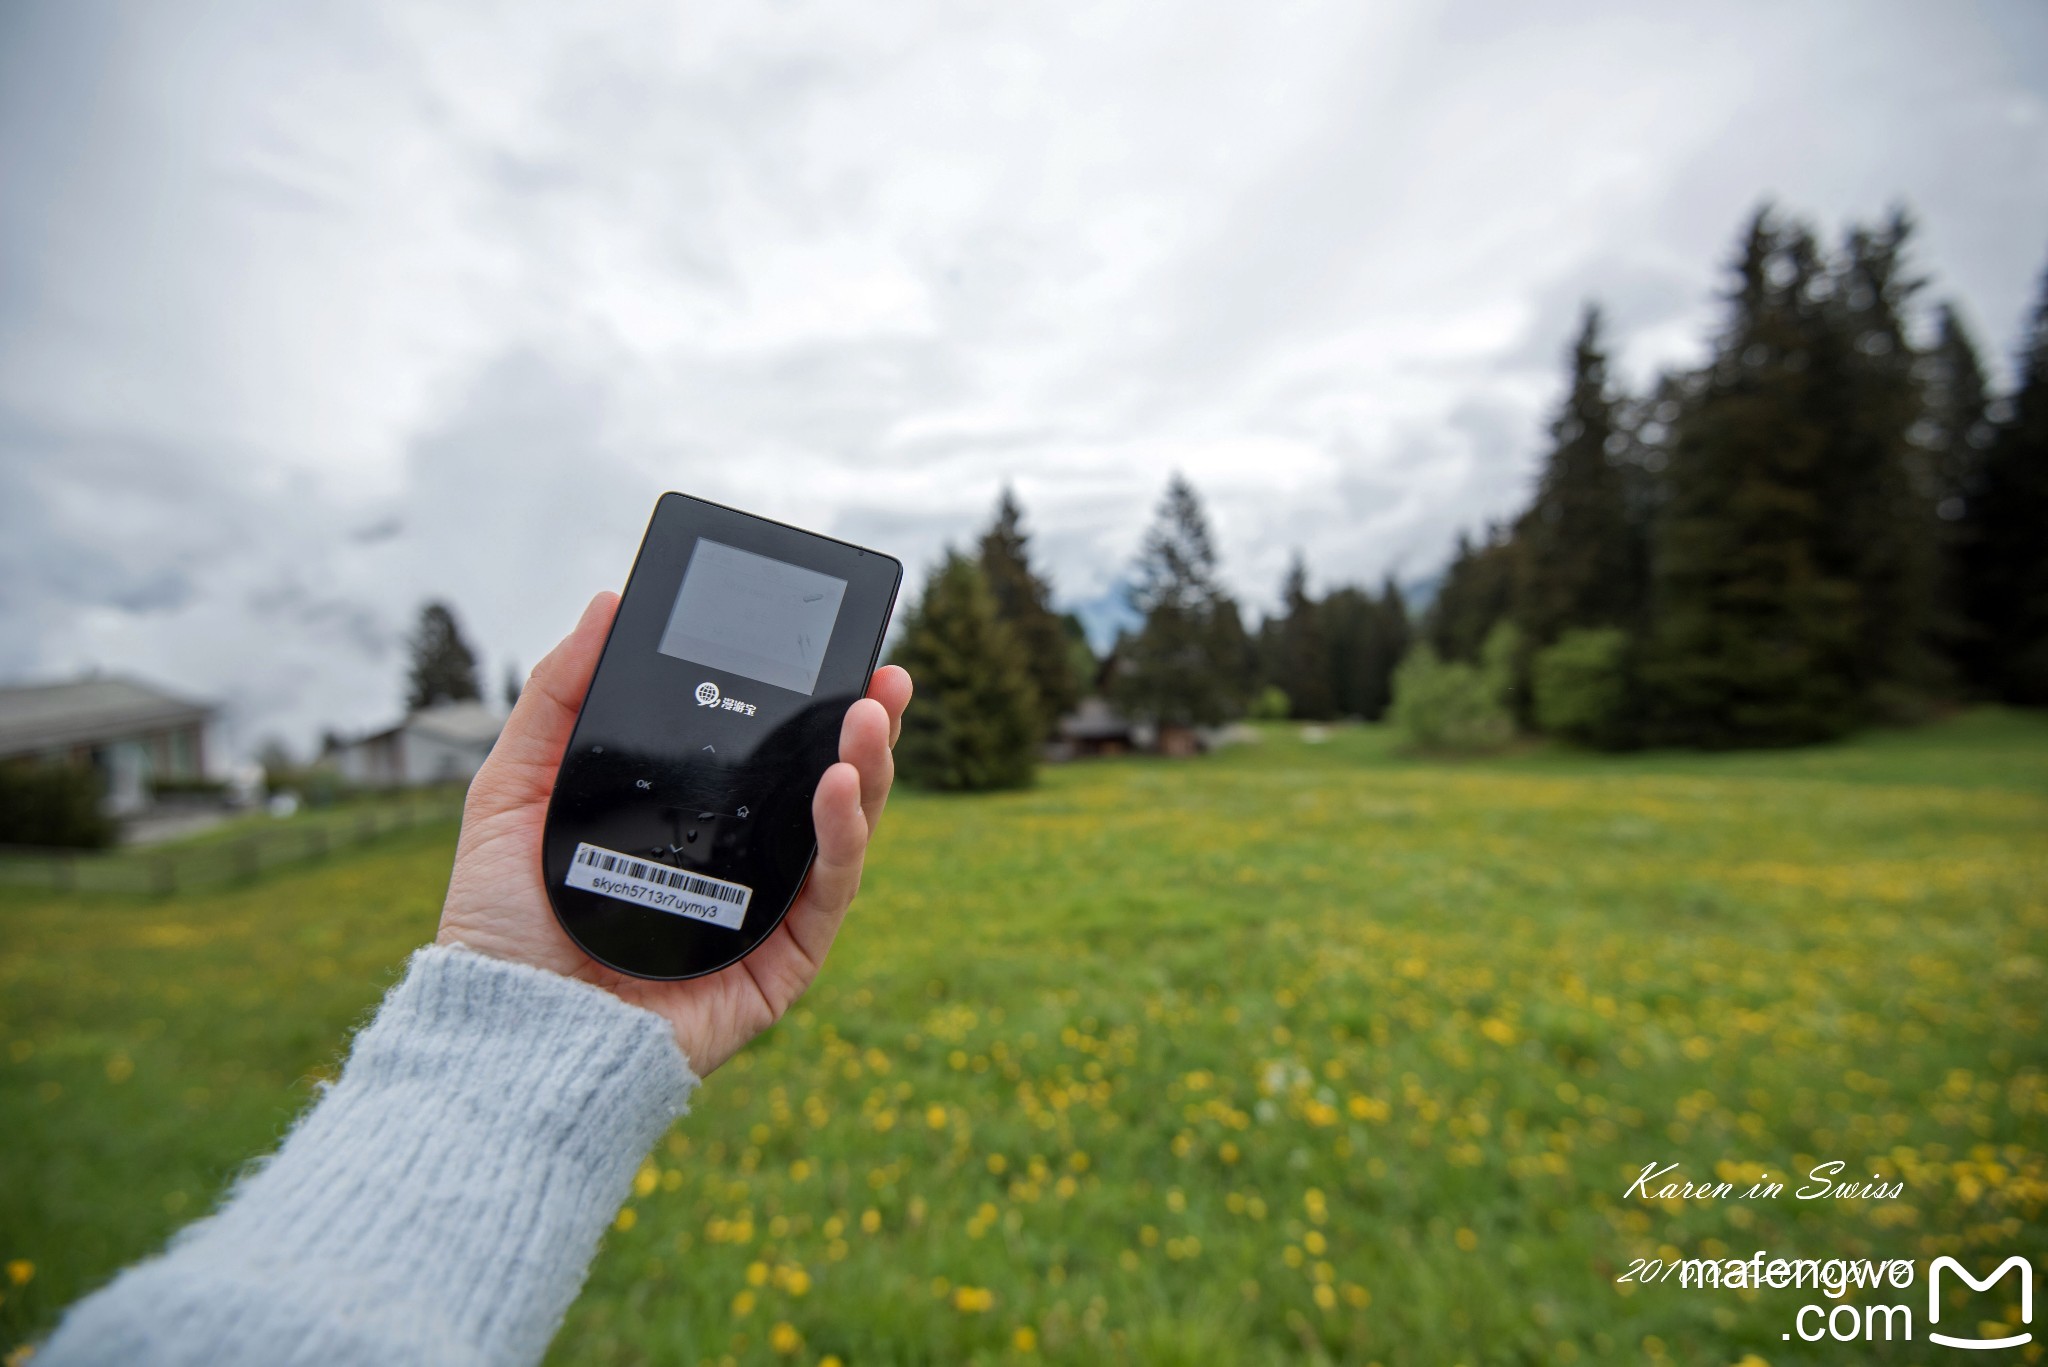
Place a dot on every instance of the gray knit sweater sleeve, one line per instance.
(440, 1204)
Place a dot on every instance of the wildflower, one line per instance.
(935, 1116)
(743, 1304)
(20, 1270)
(757, 1274)
(870, 1220)
(1025, 1339)
(627, 1218)
(973, 1300)
(1325, 1298)
(784, 1338)
(1467, 1240)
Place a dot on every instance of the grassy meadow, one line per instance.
(1307, 1051)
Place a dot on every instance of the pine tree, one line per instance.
(2006, 569)
(1477, 592)
(1025, 603)
(974, 725)
(1190, 664)
(443, 666)
(1295, 649)
(513, 686)
(1756, 636)
(1959, 437)
(1881, 532)
(1577, 563)
(1368, 636)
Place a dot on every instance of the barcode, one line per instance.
(659, 873)
(663, 887)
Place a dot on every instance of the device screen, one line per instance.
(748, 614)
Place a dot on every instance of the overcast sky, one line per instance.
(311, 312)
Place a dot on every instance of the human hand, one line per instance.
(497, 904)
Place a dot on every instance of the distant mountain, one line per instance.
(1105, 615)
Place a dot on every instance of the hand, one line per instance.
(498, 906)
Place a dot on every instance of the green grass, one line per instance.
(1128, 1066)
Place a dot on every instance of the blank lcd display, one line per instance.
(748, 614)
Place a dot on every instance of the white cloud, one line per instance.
(306, 316)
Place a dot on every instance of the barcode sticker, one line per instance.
(661, 886)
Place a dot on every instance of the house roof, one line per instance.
(91, 711)
(1095, 719)
(458, 723)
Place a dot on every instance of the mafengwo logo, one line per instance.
(2026, 1271)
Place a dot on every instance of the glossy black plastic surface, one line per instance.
(650, 772)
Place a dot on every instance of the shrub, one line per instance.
(54, 805)
(1584, 688)
(1272, 704)
(1450, 705)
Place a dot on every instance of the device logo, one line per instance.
(708, 696)
(2026, 1270)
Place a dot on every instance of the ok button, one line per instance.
(646, 785)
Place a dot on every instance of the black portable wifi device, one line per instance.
(680, 827)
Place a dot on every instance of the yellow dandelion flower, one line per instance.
(1227, 1152)
(20, 1270)
(743, 1304)
(784, 1338)
(831, 1360)
(628, 1217)
(1467, 1240)
(1326, 1299)
(1314, 1242)
(870, 1220)
(799, 1171)
(1025, 1339)
(997, 1163)
(757, 1274)
(935, 1116)
(973, 1300)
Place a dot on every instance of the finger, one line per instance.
(891, 687)
(864, 743)
(522, 765)
(835, 874)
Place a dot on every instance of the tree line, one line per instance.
(1829, 524)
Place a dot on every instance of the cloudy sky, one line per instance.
(311, 312)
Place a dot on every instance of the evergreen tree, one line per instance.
(1295, 649)
(1477, 592)
(1190, 663)
(1368, 636)
(975, 723)
(1881, 533)
(512, 687)
(1577, 564)
(443, 666)
(1082, 665)
(2006, 569)
(1958, 437)
(1025, 603)
(1756, 638)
